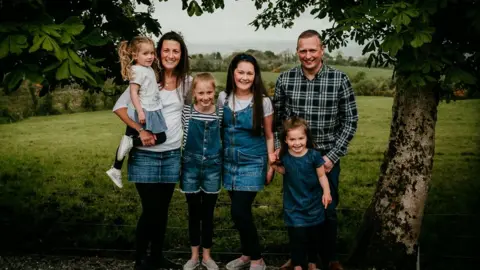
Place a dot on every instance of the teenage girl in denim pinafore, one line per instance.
(201, 167)
(247, 140)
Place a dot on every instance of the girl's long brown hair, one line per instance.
(294, 123)
(126, 51)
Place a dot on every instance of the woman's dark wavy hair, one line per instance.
(293, 123)
(258, 88)
(182, 70)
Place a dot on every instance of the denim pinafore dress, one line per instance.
(245, 155)
(202, 156)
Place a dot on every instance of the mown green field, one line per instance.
(54, 192)
(351, 71)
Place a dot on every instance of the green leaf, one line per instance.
(34, 77)
(74, 56)
(48, 43)
(191, 9)
(370, 59)
(314, 11)
(369, 47)
(413, 13)
(73, 25)
(198, 10)
(456, 74)
(94, 38)
(416, 79)
(51, 30)
(81, 73)
(37, 42)
(16, 44)
(51, 45)
(52, 66)
(322, 14)
(426, 68)
(13, 79)
(94, 68)
(63, 72)
(392, 44)
(8, 27)
(401, 18)
(420, 38)
(94, 60)
(430, 78)
(4, 48)
(66, 38)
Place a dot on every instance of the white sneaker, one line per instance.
(116, 176)
(191, 265)
(126, 144)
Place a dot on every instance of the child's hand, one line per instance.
(326, 199)
(272, 158)
(270, 175)
(141, 117)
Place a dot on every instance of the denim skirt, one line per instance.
(153, 167)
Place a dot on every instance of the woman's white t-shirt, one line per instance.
(241, 104)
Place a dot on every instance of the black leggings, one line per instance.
(152, 223)
(201, 206)
(131, 132)
(304, 244)
(242, 217)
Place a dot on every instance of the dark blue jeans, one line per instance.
(329, 233)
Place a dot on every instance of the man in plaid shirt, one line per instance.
(324, 97)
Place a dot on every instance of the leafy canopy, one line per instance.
(428, 42)
(52, 41)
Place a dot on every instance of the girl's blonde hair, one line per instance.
(294, 123)
(203, 77)
(126, 51)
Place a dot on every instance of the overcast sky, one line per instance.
(228, 29)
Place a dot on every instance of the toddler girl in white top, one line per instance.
(136, 59)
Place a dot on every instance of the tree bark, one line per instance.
(391, 227)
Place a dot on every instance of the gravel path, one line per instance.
(37, 262)
(40, 262)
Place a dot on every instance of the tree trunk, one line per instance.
(388, 236)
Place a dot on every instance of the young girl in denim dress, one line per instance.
(201, 167)
(306, 192)
(136, 59)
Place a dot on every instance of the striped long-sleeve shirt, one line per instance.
(326, 102)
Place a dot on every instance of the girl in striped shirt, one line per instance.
(201, 167)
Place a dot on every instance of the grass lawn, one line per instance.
(54, 191)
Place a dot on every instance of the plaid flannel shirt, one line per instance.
(327, 103)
